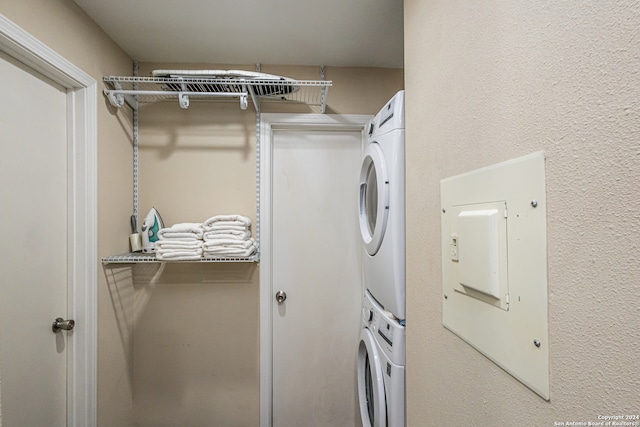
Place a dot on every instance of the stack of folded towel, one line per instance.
(180, 242)
(228, 236)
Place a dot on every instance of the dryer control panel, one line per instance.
(390, 117)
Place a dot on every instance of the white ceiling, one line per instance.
(360, 33)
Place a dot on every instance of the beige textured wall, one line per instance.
(490, 81)
(65, 28)
(196, 351)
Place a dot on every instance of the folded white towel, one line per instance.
(218, 218)
(186, 226)
(226, 228)
(221, 252)
(227, 234)
(219, 224)
(192, 244)
(228, 243)
(183, 230)
(180, 237)
(179, 255)
(236, 219)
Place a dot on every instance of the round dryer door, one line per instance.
(374, 198)
(373, 407)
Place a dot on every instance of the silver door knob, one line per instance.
(281, 296)
(60, 324)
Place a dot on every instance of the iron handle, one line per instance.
(60, 324)
(281, 296)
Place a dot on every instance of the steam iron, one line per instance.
(150, 227)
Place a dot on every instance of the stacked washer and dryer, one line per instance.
(381, 351)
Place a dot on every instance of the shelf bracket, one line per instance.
(115, 98)
(183, 99)
(244, 100)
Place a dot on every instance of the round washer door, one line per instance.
(374, 198)
(373, 407)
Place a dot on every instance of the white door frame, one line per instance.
(82, 106)
(269, 123)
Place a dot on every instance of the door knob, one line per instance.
(60, 324)
(281, 296)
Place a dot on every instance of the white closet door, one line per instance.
(316, 261)
(33, 254)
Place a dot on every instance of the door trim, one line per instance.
(82, 106)
(268, 124)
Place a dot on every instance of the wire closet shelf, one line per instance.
(135, 90)
(137, 258)
(236, 86)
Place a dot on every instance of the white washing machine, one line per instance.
(381, 372)
(382, 207)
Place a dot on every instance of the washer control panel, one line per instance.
(388, 331)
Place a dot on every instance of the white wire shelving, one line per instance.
(135, 90)
(139, 257)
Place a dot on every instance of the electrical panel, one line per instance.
(494, 265)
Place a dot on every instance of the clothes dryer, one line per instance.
(382, 207)
(381, 368)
